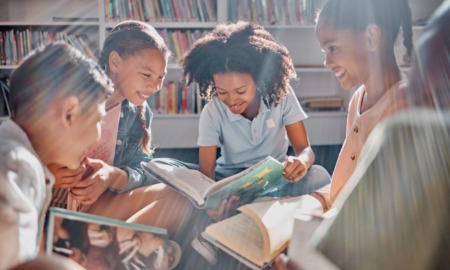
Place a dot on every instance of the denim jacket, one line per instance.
(129, 155)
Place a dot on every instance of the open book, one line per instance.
(256, 181)
(97, 242)
(263, 229)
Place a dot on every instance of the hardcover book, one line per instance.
(262, 231)
(97, 242)
(256, 181)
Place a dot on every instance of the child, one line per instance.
(135, 58)
(57, 96)
(401, 182)
(358, 38)
(245, 74)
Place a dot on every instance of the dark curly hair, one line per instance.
(241, 47)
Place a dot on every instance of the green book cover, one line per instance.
(254, 182)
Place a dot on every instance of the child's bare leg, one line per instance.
(155, 205)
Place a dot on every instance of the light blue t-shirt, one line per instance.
(244, 142)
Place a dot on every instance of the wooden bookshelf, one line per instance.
(179, 131)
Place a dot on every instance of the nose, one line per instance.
(328, 63)
(154, 85)
(232, 99)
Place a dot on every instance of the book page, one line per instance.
(241, 234)
(277, 219)
(190, 182)
(96, 242)
(256, 181)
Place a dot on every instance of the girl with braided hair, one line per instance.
(111, 183)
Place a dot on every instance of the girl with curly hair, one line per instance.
(244, 73)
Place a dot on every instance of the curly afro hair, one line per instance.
(240, 47)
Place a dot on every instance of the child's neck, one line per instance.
(380, 80)
(253, 108)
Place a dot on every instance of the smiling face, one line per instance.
(346, 54)
(238, 92)
(140, 75)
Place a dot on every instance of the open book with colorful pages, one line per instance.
(97, 242)
(262, 231)
(254, 182)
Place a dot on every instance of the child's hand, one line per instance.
(65, 177)
(225, 210)
(90, 189)
(294, 169)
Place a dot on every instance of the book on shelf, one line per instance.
(261, 231)
(160, 10)
(333, 103)
(254, 182)
(175, 98)
(97, 242)
(16, 44)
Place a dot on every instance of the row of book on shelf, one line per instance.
(161, 10)
(273, 11)
(180, 41)
(260, 11)
(176, 98)
(15, 45)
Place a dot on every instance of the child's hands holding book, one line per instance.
(226, 209)
(295, 169)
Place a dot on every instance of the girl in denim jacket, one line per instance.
(113, 184)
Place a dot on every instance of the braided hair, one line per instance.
(128, 38)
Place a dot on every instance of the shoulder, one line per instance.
(215, 108)
(16, 157)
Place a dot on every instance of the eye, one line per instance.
(241, 92)
(332, 49)
(146, 75)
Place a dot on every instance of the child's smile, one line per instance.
(238, 92)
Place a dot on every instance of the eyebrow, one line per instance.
(238, 88)
(151, 70)
(328, 41)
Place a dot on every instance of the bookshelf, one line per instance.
(93, 19)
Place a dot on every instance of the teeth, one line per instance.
(339, 73)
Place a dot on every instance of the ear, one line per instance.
(373, 37)
(114, 61)
(70, 110)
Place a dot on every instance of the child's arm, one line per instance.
(297, 166)
(207, 160)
